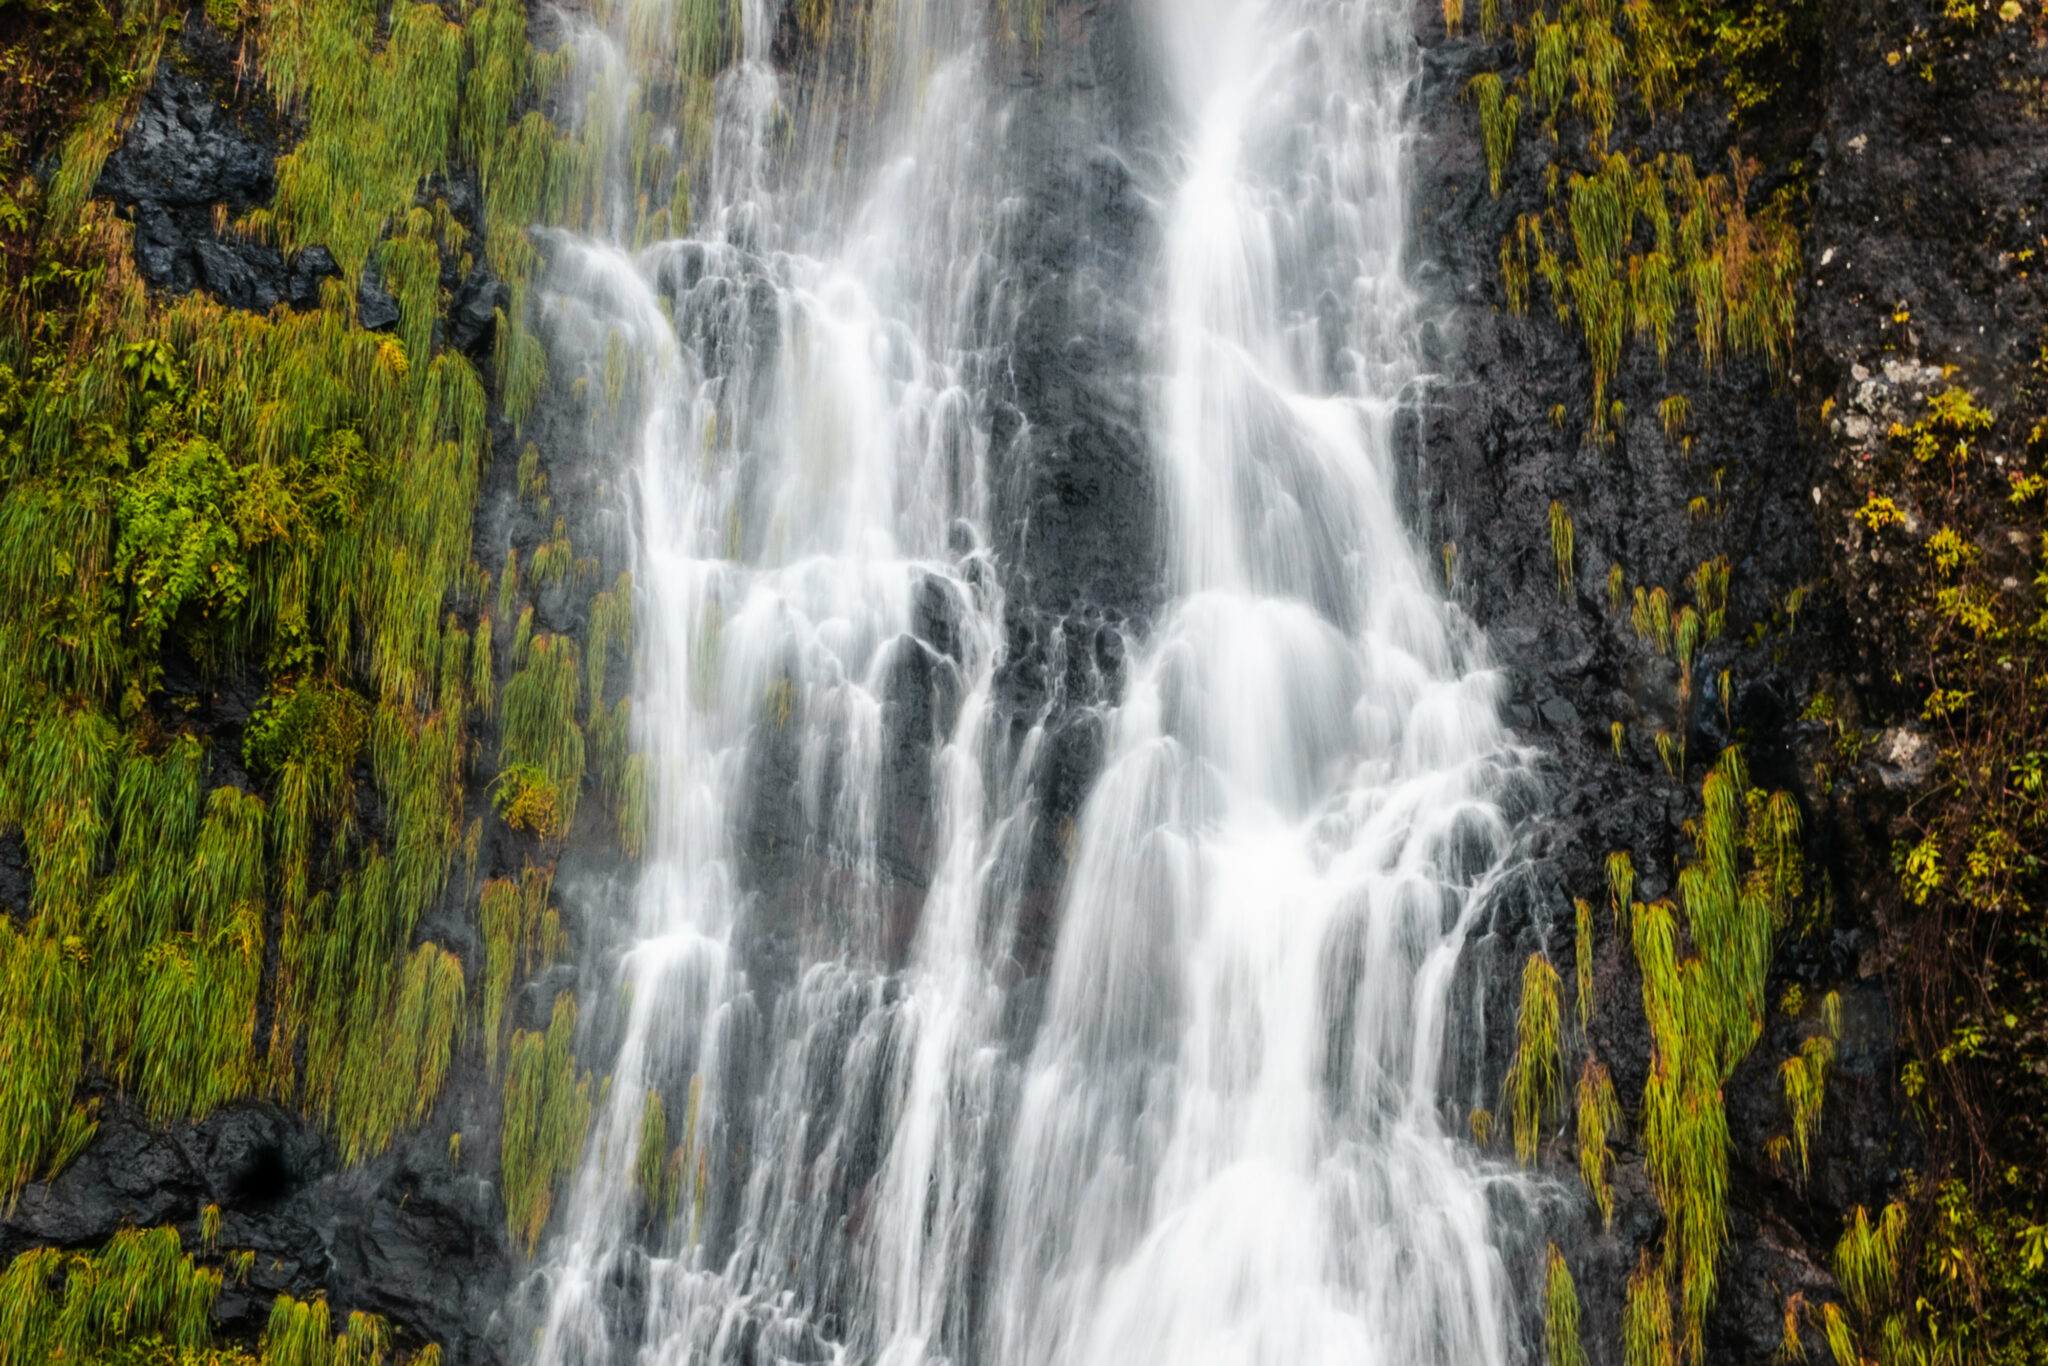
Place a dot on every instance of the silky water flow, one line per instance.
(1228, 1137)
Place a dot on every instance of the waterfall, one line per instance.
(1214, 1127)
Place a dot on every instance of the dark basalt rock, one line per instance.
(376, 306)
(184, 156)
(407, 1235)
(184, 151)
(472, 316)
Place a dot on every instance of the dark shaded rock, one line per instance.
(407, 1235)
(250, 275)
(184, 151)
(17, 877)
(308, 269)
(376, 307)
(184, 158)
(473, 313)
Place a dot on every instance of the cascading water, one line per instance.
(1220, 1138)
(1237, 1076)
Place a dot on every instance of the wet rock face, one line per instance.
(408, 1236)
(1924, 260)
(185, 158)
(1076, 507)
(1487, 460)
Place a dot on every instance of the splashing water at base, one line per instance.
(1224, 1142)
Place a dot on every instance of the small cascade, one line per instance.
(793, 398)
(1213, 1128)
(1229, 1144)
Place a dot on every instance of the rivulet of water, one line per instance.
(1224, 1140)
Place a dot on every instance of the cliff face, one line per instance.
(1899, 143)
(1905, 140)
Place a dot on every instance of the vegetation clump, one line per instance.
(1535, 1080)
(547, 1110)
(141, 1300)
(1627, 243)
(191, 494)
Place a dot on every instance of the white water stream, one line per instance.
(1224, 1142)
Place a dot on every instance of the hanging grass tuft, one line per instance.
(1705, 1015)
(1621, 882)
(42, 1035)
(380, 118)
(1599, 1118)
(547, 1110)
(651, 1166)
(542, 746)
(522, 935)
(1561, 547)
(1561, 1344)
(611, 623)
(1646, 1318)
(1582, 960)
(1535, 1079)
(136, 1290)
(1805, 1078)
(397, 1062)
(1499, 112)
